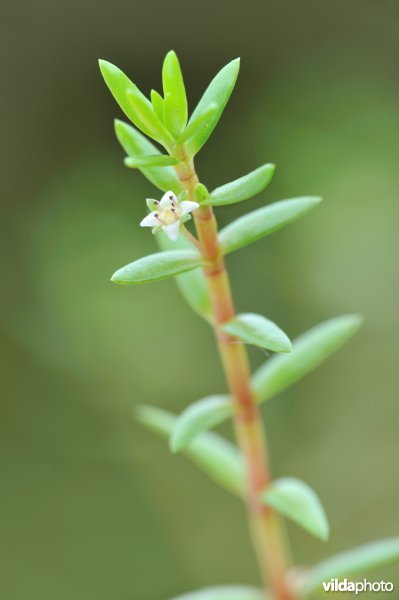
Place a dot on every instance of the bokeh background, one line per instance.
(92, 507)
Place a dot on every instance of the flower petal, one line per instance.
(187, 206)
(167, 198)
(172, 231)
(152, 204)
(150, 220)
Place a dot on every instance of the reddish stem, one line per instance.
(264, 523)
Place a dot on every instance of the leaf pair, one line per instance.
(164, 119)
(245, 230)
(279, 372)
(221, 461)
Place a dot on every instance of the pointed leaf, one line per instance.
(175, 105)
(259, 331)
(357, 561)
(262, 222)
(199, 128)
(157, 266)
(200, 416)
(145, 115)
(157, 104)
(192, 284)
(243, 188)
(119, 85)
(228, 592)
(151, 160)
(217, 457)
(218, 92)
(136, 145)
(309, 350)
(296, 500)
(200, 193)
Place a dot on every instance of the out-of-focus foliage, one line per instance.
(92, 506)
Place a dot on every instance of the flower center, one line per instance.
(168, 215)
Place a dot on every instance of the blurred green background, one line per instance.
(92, 507)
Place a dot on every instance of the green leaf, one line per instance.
(309, 350)
(296, 500)
(157, 104)
(359, 560)
(151, 160)
(137, 146)
(119, 85)
(229, 592)
(217, 457)
(218, 93)
(192, 285)
(200, 127)
(261, 222)
(243, 188)
(157, 266)
(200, 193)
(145, 115)
(200, 416)
(175, 105)
(259, 331)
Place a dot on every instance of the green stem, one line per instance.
(264, 523)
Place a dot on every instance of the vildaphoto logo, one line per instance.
(357, 587)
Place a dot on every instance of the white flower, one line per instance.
(168, 214)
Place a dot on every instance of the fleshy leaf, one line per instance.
(199, 128)
(243, 188)
(228, 592)
(309, 350)
(200, 193)
(263, 221)
(145, 115)
(259, 331)
(119, 85)
(296, 500)
(157, 104)
(157, 266)
(218, 92)
(200, 416)
(357, 561)
(217, 457)
(151, 160)
(192, 284)
(136, 145)
(175, 104)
